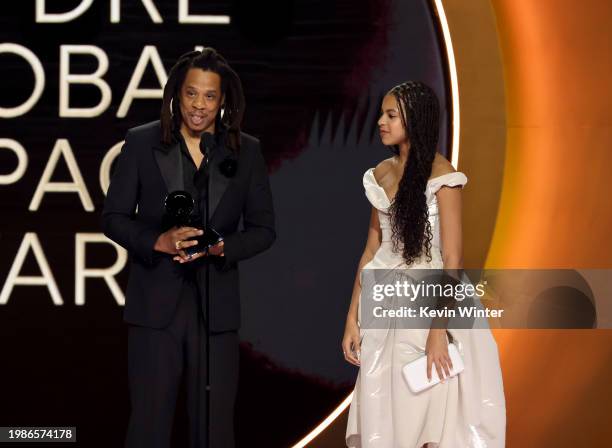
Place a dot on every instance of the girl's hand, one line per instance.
(437, 353)
(351, 346)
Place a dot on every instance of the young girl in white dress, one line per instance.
(416, 224)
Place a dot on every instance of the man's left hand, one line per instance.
(217, 250)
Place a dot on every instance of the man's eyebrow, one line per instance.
(190, 86)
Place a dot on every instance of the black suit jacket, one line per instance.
(145, 172)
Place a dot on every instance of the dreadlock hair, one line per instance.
(420, 114)
(231, 88)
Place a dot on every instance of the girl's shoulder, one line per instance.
(383, 169)
(441, 166)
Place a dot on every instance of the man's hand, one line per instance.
(217, 249)
(173, 240)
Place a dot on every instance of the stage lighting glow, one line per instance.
(325, 423)
(452, 72)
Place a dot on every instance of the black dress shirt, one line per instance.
(196, 180)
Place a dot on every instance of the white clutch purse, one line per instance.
(415, 372)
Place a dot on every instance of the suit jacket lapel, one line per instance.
(170, 165)
(218, 182)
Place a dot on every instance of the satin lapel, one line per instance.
(169, 163)
(218, 182)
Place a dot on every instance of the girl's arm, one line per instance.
(449, 206)
(351, 340)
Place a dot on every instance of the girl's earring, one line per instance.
(171, 107)
(222, 112)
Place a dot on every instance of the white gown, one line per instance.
(467, 411)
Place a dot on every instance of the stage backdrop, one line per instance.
(76, 74)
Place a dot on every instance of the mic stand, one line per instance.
(206, 142)
(206, 321)
(208, 292)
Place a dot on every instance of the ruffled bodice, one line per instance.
(386, 258)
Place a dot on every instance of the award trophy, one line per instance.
(179, 206)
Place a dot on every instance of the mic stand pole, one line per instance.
(207, 304)
(207, 288)
(206, 324)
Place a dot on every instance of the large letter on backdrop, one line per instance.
(30, 240)
(76, 186)
(94, 78)
(39, 80)
(22, 161)
(185, 17)
(148, 4)
(108, 274)
(42, 16)
(106, 164)
(149, 53)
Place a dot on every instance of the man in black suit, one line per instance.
(197, 147)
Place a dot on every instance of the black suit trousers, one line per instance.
(159, 359)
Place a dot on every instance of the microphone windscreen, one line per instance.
(207, 141)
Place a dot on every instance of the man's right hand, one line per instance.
(174, 241)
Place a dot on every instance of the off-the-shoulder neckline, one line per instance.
(371, 171)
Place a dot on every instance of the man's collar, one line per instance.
(220, 135)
